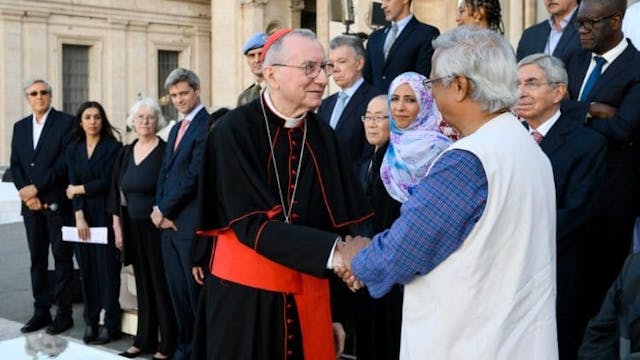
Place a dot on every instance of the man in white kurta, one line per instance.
(475, 242)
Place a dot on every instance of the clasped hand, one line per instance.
(345, 251)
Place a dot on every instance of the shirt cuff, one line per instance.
(333, 249)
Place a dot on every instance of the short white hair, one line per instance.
(482, 56)
(146, 103)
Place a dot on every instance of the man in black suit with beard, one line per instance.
(39, 171)
(604, 85)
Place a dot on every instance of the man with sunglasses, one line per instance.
(604, 85)
(39, 172)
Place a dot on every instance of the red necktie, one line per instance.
(183, 128)
(537, 136)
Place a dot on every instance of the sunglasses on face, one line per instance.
(41, 92)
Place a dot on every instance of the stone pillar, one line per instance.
(439, 13)
(253, 15)
(138, 83)
(12, 102)
(201, 52)
(36, 45)
(114, 88)
(296, 7)
(226, 62)
(513, 17)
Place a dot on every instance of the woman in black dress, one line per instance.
(379, 321)
(90, 159)
(133, 192)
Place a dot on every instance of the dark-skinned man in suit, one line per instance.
(554, 36)
(604, 84)
(175, 211)
(343, 110)
(403, 45)
(39, 172)
(577, 156)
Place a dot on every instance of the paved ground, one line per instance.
(16, 302)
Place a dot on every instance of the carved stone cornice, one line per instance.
(11, 15)
(262, 3)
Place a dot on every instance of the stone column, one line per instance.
(439, 13)
(201, 50)
(253, 15)
(226, 62)
(12, 102)
(138, 82)
(513, 17)
(296, 7)
(114, 87)
(36, 45)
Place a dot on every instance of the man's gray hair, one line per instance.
(276, 54)
(551, 66)
(36, 81)
(146, 103)
(180, 74)
(482, 56)
(351, 41)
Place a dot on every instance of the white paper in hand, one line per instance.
(97, 235)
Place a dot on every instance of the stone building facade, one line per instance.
(115, 51)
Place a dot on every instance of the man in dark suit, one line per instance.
(403, 45)
(555, 36)
(176, 199)
(604, 84)
(577, 156)
(39, 172)
(343, 110)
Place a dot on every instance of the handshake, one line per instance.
(344, 253)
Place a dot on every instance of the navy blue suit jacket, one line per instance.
(534, 40)
(45, 166)
(176, 195)
(577, 156)
(618, 86)
(350, 130)
(411, 51)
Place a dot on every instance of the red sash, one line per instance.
(238, 263)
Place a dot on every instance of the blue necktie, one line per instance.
(390, 40)
(337, 110)
(593, 77)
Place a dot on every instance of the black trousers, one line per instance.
(44, 229)
(155, 311)
(100, 270)
(609, 243)
(182, 287)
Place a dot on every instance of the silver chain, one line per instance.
(286, 211)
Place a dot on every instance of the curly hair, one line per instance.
(492, 12)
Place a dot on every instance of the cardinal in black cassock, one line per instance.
(276, 208)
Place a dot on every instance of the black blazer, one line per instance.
(46, 166)
(534, 40)
(95, 174)
(577, 156)
(350, 130)
(411, 51)
(618, 86)
(177, 190)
